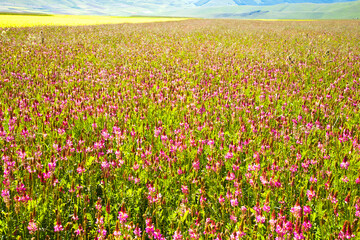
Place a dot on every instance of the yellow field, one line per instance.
(282, 20)
(71, 20)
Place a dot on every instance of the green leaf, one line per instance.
(89, 161)
(185, 216)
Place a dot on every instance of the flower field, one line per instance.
(197, 129)
(18, 20)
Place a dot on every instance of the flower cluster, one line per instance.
(200, 129)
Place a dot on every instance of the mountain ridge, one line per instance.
(192, 8)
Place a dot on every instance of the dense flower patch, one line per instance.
(202, 129)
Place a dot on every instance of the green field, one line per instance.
(16, 20)
(184, 130)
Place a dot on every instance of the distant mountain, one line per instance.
(278, 9)
(221, 3)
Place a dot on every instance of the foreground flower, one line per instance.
(32, 227)
(123, 216)
(137, 232)
(233, 218)
(58, 227)
(79, 231)
(296, 210)
(177, 235)
(346, 232)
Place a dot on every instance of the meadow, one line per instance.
(196, 129)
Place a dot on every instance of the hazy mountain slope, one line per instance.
(347, 10)
(278, 9)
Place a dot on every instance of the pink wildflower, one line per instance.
(32, 227)
(177, 235)
(234, 202)
(58, 227)
(123, 216)
(185, 189)
(296, 210)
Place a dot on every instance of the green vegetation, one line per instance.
(197, 130)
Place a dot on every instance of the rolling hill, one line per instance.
(246, 9)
